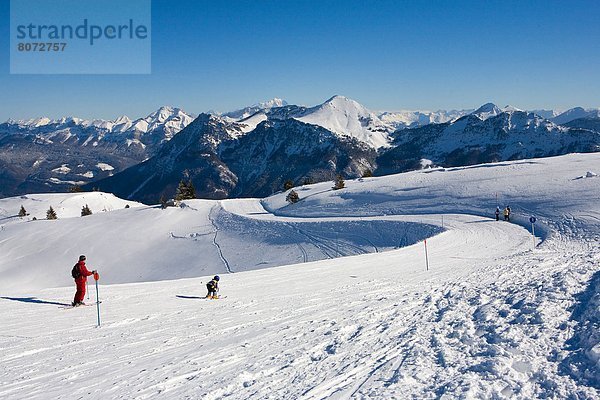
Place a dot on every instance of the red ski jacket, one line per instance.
(83, 272)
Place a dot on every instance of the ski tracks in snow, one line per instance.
(211, 218)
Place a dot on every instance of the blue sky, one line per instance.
(387, 55)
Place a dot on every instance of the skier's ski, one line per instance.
(81, 305)
(213, 298)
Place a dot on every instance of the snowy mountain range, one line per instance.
(252, 151)
(489, 135)
(42, 155)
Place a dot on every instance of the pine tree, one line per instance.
(288, 185)
(292, 197)
(22, 212)
(308, 181)
(51, 214)
(339, 183)
(368, 174)
(191, 190)
(185, 191)
(86, 211)
(75, 189)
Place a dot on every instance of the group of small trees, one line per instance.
(51, 213)
(293, 197)
(185, 191)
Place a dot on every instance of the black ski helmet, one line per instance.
(216, 278)
(82, 258)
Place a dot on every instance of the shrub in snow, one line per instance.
(288, 185)
(367, 174)
(51, 214)
(22, 212)
(86, 211)
(292, 197)
(338, 183)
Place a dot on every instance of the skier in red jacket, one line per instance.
(80, 274)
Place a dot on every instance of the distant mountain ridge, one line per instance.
(252, 151)
(42, 155)
(256, 155)
(483, 137)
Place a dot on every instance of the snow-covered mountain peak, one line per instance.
(35, 122)
(275, 102)
(487, 110)
(246, 112)
(341, 100)
(576, 113)
(509, 108)
(122, 120)
(164, 113)
(347, 117)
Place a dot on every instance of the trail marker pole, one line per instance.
(87, 289)
(96, 278)
(426, 256)
(532, 220)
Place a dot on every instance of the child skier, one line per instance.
(80, 274)
(213, 288)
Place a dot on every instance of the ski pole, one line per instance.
(96, 278)
(426, 257)
(87, 288)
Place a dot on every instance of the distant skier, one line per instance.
(507, 213)
(213, 288)
(497, 213)
(80, 274)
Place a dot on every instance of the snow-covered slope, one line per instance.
(489, 319)
(250, 123)
(65, 205)
(346, 117)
